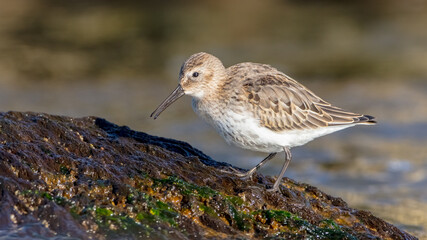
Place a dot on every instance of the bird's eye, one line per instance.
(195, 74)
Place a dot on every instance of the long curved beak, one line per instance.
(177, 93)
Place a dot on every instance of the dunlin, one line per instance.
(257, 107)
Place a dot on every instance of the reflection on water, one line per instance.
(120, 61)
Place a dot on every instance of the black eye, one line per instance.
(195, 74)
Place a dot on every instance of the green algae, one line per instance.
(187, 188)
(246, 221)
(113, 225)
(61, 201)
(203, 192)
(329, 223)
(104, 212)
(36, 193)
(297, 227)
(151, 210)
(165, 213)
(46, 195)
(208, 210)
(74, 212)
(235, 200)
(242, 220)
(106, 218)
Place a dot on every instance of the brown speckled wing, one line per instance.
(281, 103)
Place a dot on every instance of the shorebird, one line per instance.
(254, 106)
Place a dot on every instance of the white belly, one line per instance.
(243, 130)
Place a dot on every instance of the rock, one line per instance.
(87, 178)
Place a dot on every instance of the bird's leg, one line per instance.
(288, 157)
(258, 166)
(253, 170)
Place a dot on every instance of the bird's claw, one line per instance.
(237, 173)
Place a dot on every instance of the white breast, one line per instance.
(243, 130)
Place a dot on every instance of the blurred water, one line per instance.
(119, 61)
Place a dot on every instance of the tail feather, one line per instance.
(341, 117)
(365, 119)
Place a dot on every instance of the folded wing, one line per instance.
(280, 103)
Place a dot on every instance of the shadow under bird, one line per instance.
(255, 106)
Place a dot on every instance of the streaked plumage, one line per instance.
(257, 107)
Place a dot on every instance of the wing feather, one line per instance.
(281, 103)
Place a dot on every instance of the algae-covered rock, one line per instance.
(86, 178)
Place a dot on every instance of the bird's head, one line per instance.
(199, 75)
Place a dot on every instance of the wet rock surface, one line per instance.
(87, 178)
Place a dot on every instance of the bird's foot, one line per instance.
(233, 171)
(272, 189)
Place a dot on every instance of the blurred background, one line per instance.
(119, 60)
